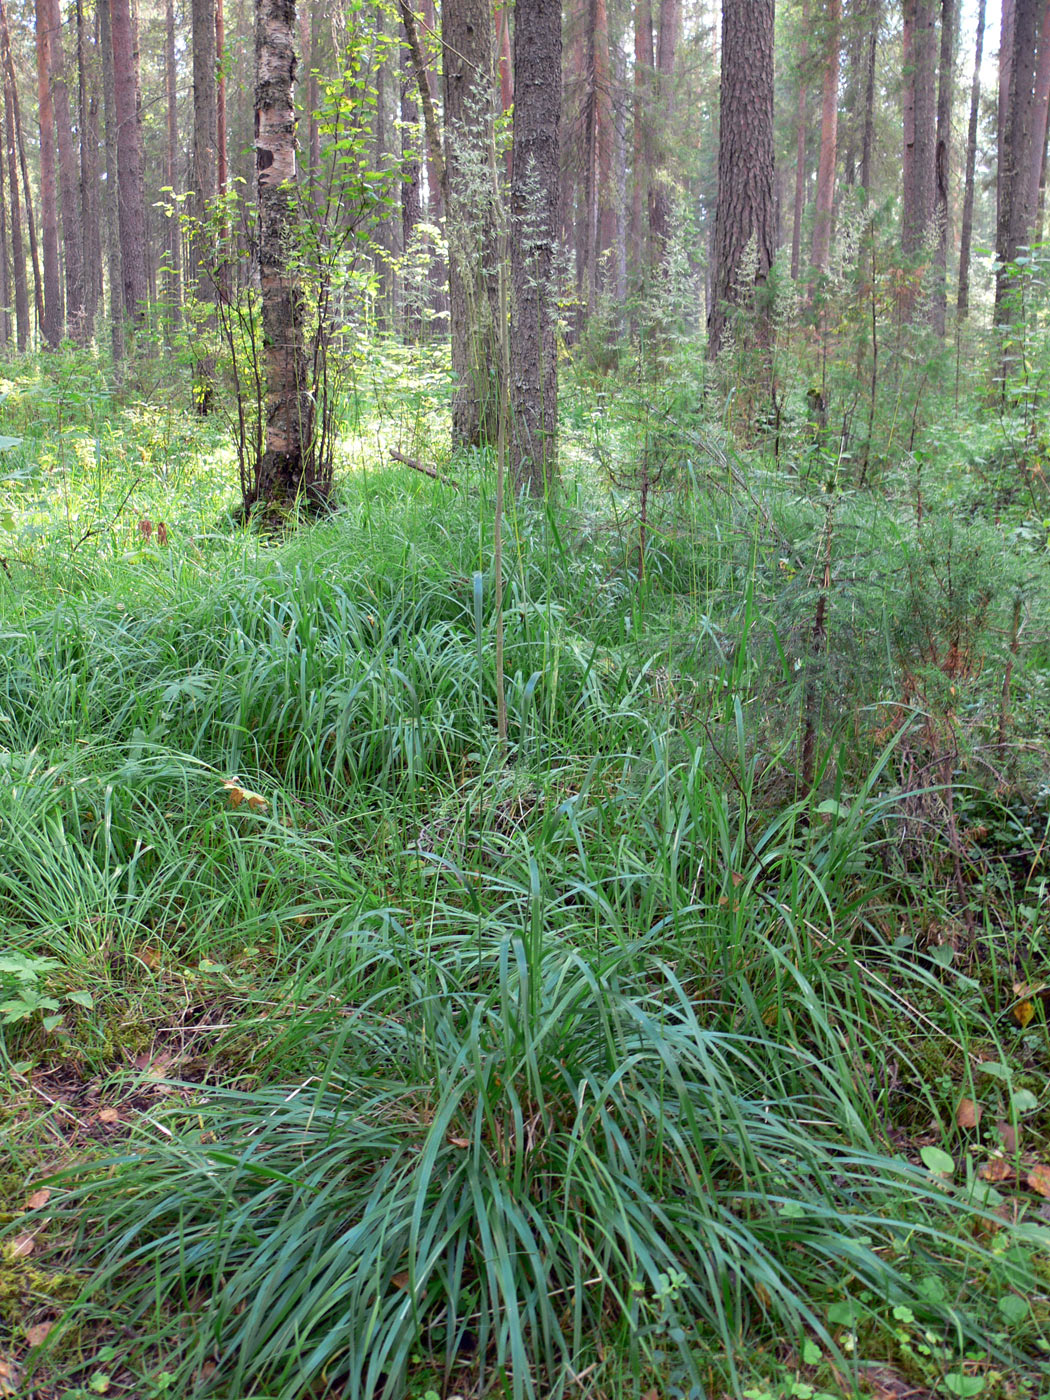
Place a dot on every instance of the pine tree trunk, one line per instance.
(966, 233)
(1015, 219)
(285, 471)
(68, 178)
(53, 323)
(533, 242)
(660, 186)
(745, 212)
(644, 65)
(87, 123)
(131, 200)
(5, 280)
(1006, 51)
(873, 11)
(919, 46)
(1041, 111)
(801, 131)
(467, 41)
(829, 125)
(111, 195)
(942, 167)
(18, 254)
(203, 261)
(221, 172)
(173, 288)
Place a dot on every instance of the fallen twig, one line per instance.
(418, 466)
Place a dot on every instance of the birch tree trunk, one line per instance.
(285, 470)
(534, 231)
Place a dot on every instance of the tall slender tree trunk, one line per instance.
(68, 178)
(534, 232)
(173, 287)
(18, 254)
(221, 172)
(286, 469)
(745, 212)
(942, 167)
(87, 123)
(111, 196)
(467, 41)
(1014, 225)
(801, 131)
(829, 126)
(411, 195)
(203, 261)
(12, 88)
(644, 65)
(506, 74)
(5, 280)
(131, 199)
(53, 318)
(1006, 52)
(873, 11)
(660, 202)
(966, 233)
(919, 44)
(1040, 113)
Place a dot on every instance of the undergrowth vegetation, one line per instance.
(695, 1044)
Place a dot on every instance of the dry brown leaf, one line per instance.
(256, 802)
(39, 1198)
(1009, 1136)
(738, 879)
(10, 1377)
(968, 1114)
(35, 1335)
(22, 1246)
(149, 955)
(108, 1115)
(401, 1281)
(998, 1169)
(1023, 1012)
(1039, 1179)
(459, 1142)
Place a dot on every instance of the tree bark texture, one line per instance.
(18, 256)
(966, 233)
(87, 123)
(111, 193)
(467, 41)
(919, 71)
(53, 323)
(534, 231)
(829, 126)
(285, 471)
(1039, 118)
(661, 186)
(643, 140)
(131, 199)
(1015, 218)
(745, 212)
(173, 291)
(873, 11)
(68, 179)
(801, 131)
(942, 167)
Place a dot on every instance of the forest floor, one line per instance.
(693, 1042)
